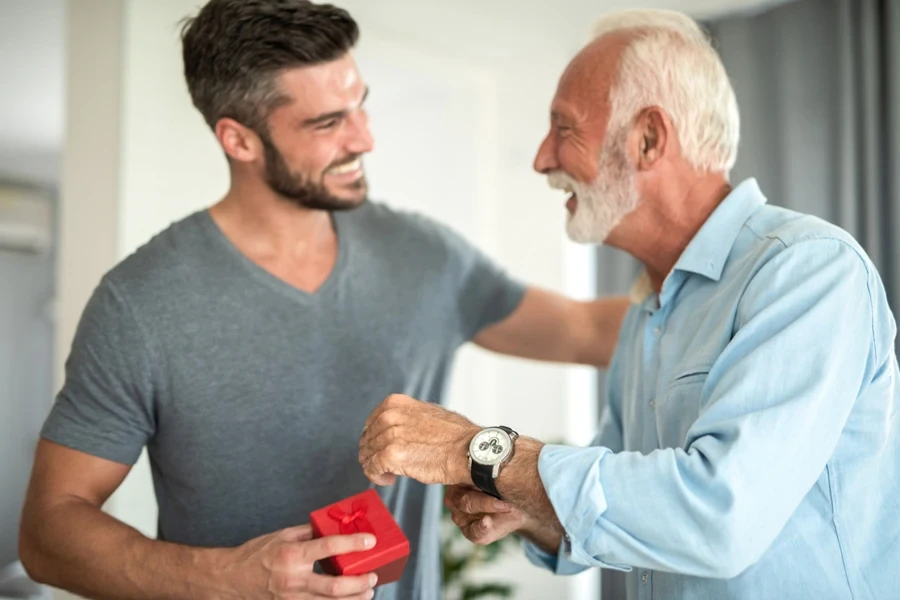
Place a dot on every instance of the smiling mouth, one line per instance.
(349, 168)
(571, 200)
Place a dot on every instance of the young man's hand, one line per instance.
(280, 565)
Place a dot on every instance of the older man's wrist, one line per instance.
(545, 537)
(524, 462)
(461, 472)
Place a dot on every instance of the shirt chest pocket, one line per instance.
(680, 406)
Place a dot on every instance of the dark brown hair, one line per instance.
(234, 50)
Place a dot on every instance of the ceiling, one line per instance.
(32, 56)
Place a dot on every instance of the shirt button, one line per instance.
(645, 577)
(652, 403)
(657, 331)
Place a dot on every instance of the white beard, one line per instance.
(603, 203)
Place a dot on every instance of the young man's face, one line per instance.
(315, 142)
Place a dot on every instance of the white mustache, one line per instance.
(559, 180)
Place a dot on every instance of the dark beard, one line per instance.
(306, 192)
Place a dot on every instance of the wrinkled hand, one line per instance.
(280, 566)
(422, 441)
(482, 518)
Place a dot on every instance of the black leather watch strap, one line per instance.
(483, 475)
(483, 478)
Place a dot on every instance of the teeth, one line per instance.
(347, 168)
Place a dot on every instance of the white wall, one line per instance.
(89, 188)
(30, 51)
(31, 80)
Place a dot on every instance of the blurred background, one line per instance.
(100, 148)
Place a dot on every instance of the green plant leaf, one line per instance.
(499, 590)
(454, 566)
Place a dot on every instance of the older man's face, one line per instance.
(579, 155)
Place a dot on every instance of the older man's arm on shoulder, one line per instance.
(550, 327)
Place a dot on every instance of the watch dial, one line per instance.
(490, 446)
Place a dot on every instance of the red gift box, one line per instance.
(363, 513)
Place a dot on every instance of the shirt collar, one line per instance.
(708, 251)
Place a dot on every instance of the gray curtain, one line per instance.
(818, 85)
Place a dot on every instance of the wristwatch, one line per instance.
(490, 449)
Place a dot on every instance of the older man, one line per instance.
(751, 445)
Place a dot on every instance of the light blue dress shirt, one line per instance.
(751, 445)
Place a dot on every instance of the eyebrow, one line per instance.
(338, 114)
(557, 117)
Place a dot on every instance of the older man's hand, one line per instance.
(422, 441)
(482, 519)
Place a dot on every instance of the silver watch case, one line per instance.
(504, 457)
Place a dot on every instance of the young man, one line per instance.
(245, 345)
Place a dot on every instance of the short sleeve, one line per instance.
(106, 405)
(487, 294)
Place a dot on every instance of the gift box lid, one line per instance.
(362, 513)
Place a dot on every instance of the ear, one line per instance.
(652, 129)
(239, 143)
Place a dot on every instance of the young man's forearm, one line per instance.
(601, 333)
(75, 546)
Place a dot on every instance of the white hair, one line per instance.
(669, 62)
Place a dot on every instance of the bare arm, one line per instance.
(428, 443)
(542, 536)
(484, 520)
(520, 484)
(548, 326)
(526, 509)
(67, 541)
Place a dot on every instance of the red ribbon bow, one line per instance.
(352, 522)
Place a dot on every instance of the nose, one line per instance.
(359, 139)
(545, 161)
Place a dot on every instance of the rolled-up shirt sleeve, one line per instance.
(558, 563)
(573, 476)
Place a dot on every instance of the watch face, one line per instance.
(490, 446)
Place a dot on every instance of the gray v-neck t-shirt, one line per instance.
(250, 394)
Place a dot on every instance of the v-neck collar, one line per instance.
(270, 280)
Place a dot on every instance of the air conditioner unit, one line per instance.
(26, 219)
